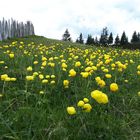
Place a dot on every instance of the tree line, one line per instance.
(12, 28)
(107, 39)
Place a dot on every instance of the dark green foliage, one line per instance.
(110, 39)
(135, 37)
(117, 40)
(124, 39)
(80, 39)
(66, 36)
(104, 37)
(90, 40)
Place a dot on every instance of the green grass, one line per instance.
(27, 115)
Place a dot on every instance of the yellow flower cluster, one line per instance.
(99, 96)
(100, 82)
(114, 87)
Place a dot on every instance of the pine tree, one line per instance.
(90, 40)
(110, 39)
(124, 39)
(96, 41)
(135, 37)
(104, 37)
(80, 39)
(117, 40)
(66, 36)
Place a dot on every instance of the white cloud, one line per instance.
(52, 17)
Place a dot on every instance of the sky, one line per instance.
(52, 17)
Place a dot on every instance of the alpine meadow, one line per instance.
(60, 90)
(70, 70)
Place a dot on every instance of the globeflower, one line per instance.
(101, 83)
(86, 100)
(99, 96)
(80, 103)
(66, 83)
(84, 74)
(114, 87)
(45, 81)
(64, 65)
(72, 73)
(71, 110)
(138, 67)
(87, 107)
(29, 68)
(108, 75)
(13, 79)
(78, 64)
(11, 55)
(29, 78)
(97, 79)
(3, 77)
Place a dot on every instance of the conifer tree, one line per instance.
(135, 38)
(66, 36)
(104, 37)
(124, 39)
(110, 39)
(117, 40)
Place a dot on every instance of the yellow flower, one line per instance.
(113, 65)
(52, 82)
(78, 64)
(35, 74)
(139, 93)
(41, 76)
(101, 83)
(66, 83)
(11, 55)
(108, 75)
(94, 68)
(87, 69)
(126, 81)
(13, 79)
(99, 96)
(80, 103)
(52, 76)
(29, 78)
(138, 72)
(114, 87)
(35, 62)
(84, 74)
(44, 81)
(105, 70)
(48, 76)
(72, 73)
(71, 110)
(87, 107)
(1, 95)
(41, 92)
(44, 58)
(97, 79)
(29, 68)
(86, 100)
(138, 67)
(3, 77)
(64, 65)
(7, 79)
(44, 63)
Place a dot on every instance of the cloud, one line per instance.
(52, 17)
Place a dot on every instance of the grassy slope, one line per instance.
(31, 116)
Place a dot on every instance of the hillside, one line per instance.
(55, 90)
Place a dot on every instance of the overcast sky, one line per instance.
(52, 17)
